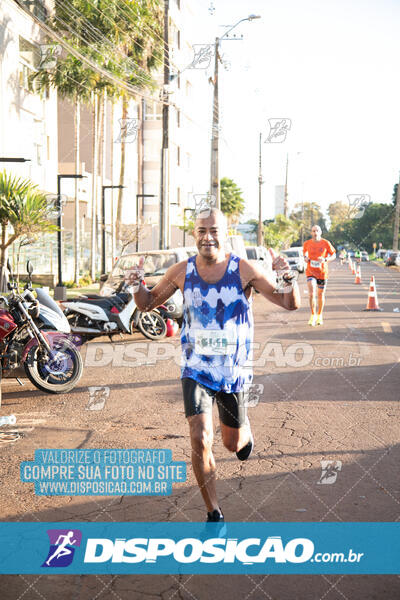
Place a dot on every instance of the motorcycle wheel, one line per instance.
(60, 373)
(152, 325)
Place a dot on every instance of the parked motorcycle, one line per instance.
(95, 315)
(34, 334)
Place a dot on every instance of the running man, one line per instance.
(317, 253)
(216, 338)
(62, 549)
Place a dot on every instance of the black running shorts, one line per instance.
(321, 283)
(199, 399)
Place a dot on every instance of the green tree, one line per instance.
(281, 233)
(338, 212)
(25, 210)
(232, 203)
(375, 225)
(307, 215)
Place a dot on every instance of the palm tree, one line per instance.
(116, 34)
(26, 210)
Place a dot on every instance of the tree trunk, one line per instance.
(112, 183)
(3, 258)
(94, 190)
(122, 171)
(77, 257)
(99, 222)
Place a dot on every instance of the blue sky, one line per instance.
(332, 68)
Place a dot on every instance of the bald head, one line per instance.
(217, 216)
(210, 231)
(316, 232)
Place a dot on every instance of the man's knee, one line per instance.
(231, 439)
(232, 444)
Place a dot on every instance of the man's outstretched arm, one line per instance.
(146, 299)
(289, 298)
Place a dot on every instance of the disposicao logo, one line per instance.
(190, 550)
(62, 547)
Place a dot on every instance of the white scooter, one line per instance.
(93, 315)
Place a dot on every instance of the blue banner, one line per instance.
(195, 548)
(103, 472)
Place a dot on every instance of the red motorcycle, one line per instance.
(35, 334)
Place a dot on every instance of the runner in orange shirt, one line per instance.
(317, 253)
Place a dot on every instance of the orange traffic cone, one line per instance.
(358, 275)
(372, 302)
(350, 264)
(354, 268)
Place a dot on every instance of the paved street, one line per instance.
(330, 393)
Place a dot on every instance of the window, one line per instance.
(188, 88)
(36, 7)
(152, 110)
(29, 60)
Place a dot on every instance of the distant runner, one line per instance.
(317, 253)
(217, 339)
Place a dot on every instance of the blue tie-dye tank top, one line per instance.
(217, 329)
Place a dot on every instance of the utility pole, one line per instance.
(285, 201)
(214, 170)
(260, 182)
(214, 183)
(396, 219)
(164, 196)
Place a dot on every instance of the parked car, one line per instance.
(260, 256)
(391, 258)
(364, 256)
(381, 253)
(295, 258)
(156, 263)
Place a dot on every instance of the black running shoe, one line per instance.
(215, 526)
(244, 453)
(215, 516)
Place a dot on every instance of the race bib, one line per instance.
(212, 342)
(315, 263)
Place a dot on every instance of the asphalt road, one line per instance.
(330, 393)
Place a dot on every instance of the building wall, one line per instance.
(28, 121)
(279, 199)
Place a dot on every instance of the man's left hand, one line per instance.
(279, 263)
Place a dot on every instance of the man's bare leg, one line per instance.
(311, 295)
(201, 438)
(321, 300)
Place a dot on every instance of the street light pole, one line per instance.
(214, 183)
(165, 136)
(60, 291)
(103, 222)
(396, 219)
(285, 200)
(260, 182)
